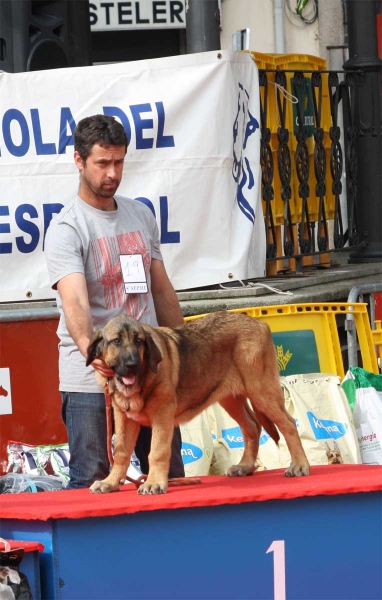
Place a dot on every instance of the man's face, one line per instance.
(101, 173)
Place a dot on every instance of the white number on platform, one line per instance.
(278, 549)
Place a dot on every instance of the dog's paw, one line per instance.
(152, 488)
(297, 470)
(240, 470)
(103, 487)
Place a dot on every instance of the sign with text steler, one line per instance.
(137, 14)
(193, 159)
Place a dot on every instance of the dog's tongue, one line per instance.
(129, 379)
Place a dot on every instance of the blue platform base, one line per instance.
(330, 548)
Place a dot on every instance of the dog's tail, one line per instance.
(269, 426)
(266, 423)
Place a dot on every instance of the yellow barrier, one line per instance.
(267, 62)
(313, 63)
(299, 62)
(306, 335)
(296, 62)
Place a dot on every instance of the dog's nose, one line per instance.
(131, 365)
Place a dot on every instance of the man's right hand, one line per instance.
(99, 365)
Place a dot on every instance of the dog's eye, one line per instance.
(139, 341)
(116, 341)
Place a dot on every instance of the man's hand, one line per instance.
(99, 365)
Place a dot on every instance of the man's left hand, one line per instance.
(100, 366)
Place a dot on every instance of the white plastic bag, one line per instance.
(364, 392)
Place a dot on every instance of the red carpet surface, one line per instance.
(213, 491)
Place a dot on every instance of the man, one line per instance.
(92, 247)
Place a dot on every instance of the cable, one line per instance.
(295, 21)
(250, 284)
(306, 20)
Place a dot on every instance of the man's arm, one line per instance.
(166, 302)
(75, 304)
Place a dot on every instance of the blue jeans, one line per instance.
(84, 415)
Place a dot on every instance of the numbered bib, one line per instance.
(133, 273)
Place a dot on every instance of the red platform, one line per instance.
(213, 491)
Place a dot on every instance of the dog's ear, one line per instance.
(153, 353)
(336, 447)
(327, 447)
(96, 347)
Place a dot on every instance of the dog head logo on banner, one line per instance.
(244, 126)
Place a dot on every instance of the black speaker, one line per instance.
(44, 34)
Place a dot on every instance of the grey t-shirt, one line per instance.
(83, 239)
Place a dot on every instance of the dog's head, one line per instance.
(128, 348)
(334, 456)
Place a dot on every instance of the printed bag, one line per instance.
(228, 445)
(39, 460)
(197, 446)
(364, 393)
(323, 419)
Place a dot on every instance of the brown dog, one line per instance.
(334, 456)
(164, 377)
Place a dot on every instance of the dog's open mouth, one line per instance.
(129, 379)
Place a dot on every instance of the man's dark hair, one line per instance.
(98, 129)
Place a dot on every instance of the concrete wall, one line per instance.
(331, 33)
(258, 16)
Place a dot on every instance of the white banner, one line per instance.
(193, 158)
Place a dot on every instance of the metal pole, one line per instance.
(354, 296)
(202, 25)
(278, 12)
(363, 57)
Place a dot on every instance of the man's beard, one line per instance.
(101, 191)
(105, 193)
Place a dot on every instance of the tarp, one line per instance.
(193, 158)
